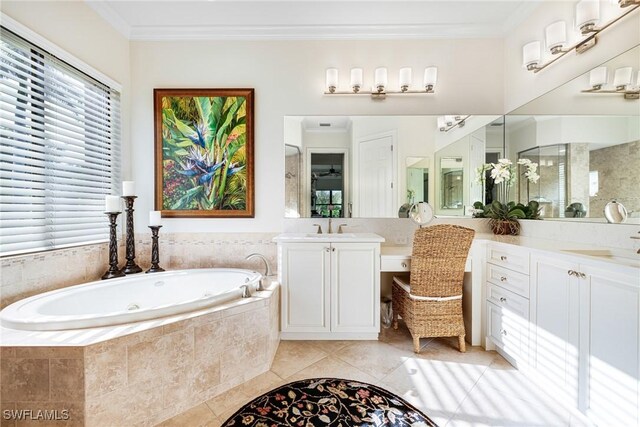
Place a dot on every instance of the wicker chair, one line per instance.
(431, 303)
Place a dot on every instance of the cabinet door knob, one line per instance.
(582, 275)
(327, 249)
(503, 299)
(503, 332)
(571, 272)
(404, 265)
(503, 258)
(333, 249)
(503, 279)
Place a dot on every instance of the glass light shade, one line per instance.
(430, 76)
(441, 123)
(622, 77)
(587, 12)
(332, 79)
(598, 77)
(356, 77)
(380, 77)
(556, 35)
(531, 54)
(405, 78)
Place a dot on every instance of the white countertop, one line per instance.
(626, 259)
(326, 237)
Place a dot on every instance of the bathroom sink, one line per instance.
(629, 258)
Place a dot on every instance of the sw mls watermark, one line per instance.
(35, 415)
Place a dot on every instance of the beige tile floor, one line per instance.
(476, 388)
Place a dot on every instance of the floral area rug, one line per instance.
(328, 402)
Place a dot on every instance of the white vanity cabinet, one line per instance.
(507, 294)
(330, 289)
(609, 345)
(583, 327)
(555, 306)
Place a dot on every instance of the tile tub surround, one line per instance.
(144, 378)
(25, 275)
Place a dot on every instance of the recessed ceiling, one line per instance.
(313, 20)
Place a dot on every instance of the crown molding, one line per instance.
(111, 16)
(313, 32)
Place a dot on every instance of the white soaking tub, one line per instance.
(128, 299)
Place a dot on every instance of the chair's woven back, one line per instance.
(438, 260)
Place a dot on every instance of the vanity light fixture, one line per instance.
(447, 123)
(587, 20)
(621, 82)
(380, 82)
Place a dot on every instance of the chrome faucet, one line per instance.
(267, 269)
(636, 238)
(319, 228)
(340, 228)
(329, 231)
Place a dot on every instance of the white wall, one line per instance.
(288, 77)
(77, 29)
(522, 86)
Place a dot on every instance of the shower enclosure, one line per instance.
(551, 189)
(292, 167)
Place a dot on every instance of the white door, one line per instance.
(305, 287)
(376, 177)
(555, 318)
(355, 287)
(610, 339)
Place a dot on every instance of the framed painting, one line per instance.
(204, 152)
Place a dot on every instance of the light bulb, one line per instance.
(380, 79)
(430, 78)
(531, 55)
(356, 79)
(405, 79)
(556, 36)
(622, 78)
(587, 15)
(598, 78)
(332, 79)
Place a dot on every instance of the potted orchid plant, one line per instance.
(504, 215)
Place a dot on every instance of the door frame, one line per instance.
(307, 176)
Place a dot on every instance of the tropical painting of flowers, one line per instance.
(204, 152)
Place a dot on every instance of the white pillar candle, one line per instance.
(128, 188)
(112, 204)
(154, 218)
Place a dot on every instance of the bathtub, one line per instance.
(128, 299)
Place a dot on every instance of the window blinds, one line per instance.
(59, 150)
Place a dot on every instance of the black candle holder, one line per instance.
(130, 267)
(155, 251)
(113, 270)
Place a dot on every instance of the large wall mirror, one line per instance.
(378, 166)
(586, 145)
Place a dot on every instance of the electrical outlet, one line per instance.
(400, 240)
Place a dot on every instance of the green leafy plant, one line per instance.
(507, 212)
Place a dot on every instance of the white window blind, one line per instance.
(59, 150)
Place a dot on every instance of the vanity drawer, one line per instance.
(395, 264)
(508, 279)
(513, 258)
(508, 301)
(508, 332)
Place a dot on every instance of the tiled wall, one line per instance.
(26, 275)
(144, 378)
(43, 379)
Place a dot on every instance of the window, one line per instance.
(329, 203)
(59, 150)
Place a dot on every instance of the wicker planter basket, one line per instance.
(505, 226)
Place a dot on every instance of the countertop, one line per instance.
(326, 237)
